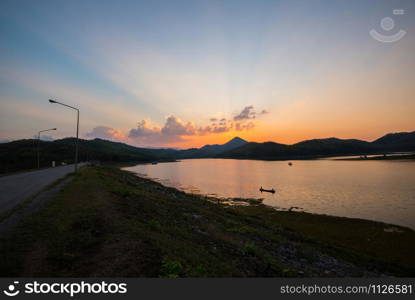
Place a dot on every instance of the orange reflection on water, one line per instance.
(376, 190)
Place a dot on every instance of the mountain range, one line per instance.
(21, 154)
(392, 142)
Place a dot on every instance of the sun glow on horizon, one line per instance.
(206, 71)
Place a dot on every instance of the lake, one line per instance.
(376, 190)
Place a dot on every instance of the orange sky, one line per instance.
(312, 68)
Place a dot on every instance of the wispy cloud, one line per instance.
(247, 113)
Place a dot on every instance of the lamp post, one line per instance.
(77, 129)
(38, 145)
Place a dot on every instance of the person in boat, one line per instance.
(265, 190)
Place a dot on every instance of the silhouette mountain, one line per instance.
(233, 143)
(210, 150)
(21, 154)
(332, 146)
(402, 141)
(266, 150)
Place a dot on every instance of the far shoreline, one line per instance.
(389, 156)
(381, 157)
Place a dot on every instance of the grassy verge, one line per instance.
(108, 222)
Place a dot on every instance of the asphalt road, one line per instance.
(16, 188)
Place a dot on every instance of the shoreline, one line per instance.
(112, 223)
(409, 157)
(235, 201)
(252, 200)
(390, 156)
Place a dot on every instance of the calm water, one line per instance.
(376, 190)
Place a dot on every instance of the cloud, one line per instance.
(214, 128)
(175, 126)
(47, 138)
(144, 134)
(143, 130)
(240, 122)
(246, 114)
(107, 133)
(244, 126)
(175, 130)
(225, 125)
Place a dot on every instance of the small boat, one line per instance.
(290, 163)
(268, 191)
(154, 163)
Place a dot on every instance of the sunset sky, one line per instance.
(188, 73)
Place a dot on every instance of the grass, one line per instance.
(361, 241)
(108, 222)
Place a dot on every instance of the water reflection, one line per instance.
(377, 190)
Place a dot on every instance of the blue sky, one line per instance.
(311, 66)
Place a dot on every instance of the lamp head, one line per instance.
(52, 101)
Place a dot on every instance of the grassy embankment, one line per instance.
(108, 222)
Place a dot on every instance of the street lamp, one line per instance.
(77, 130)
(38, 142)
